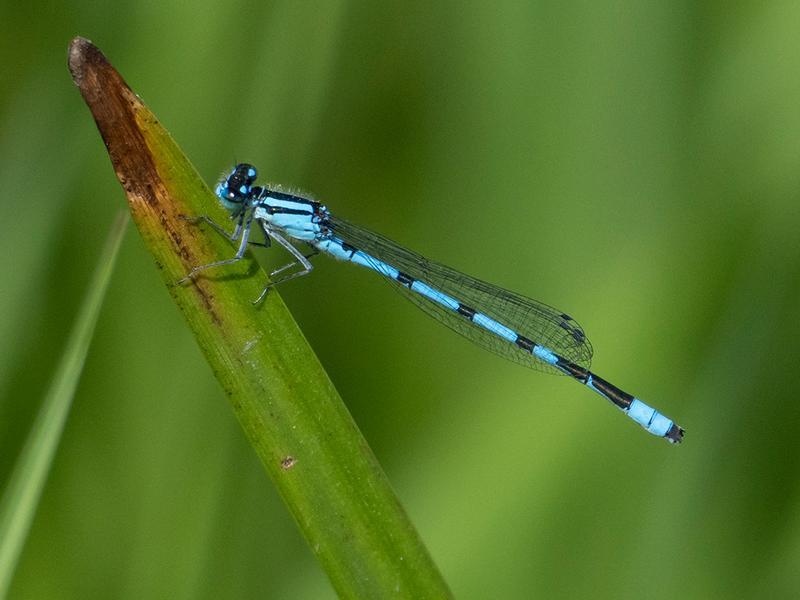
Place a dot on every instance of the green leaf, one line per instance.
(285, 402)
(30, 472)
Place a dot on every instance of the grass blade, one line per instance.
(30, 472)
(285, 402)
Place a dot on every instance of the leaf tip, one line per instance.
(82, 54)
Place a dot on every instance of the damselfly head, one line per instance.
(235, 189)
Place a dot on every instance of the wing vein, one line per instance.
(542, 324)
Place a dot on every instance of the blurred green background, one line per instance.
(633, 163)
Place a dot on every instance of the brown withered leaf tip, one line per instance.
(114, 106)
(120, 116)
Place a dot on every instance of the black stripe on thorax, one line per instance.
(280, 210)
(266, 192)
(263, 194)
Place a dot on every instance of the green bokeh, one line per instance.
(636, 164)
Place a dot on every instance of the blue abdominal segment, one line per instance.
(650, 419)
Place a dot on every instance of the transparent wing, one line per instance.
(536, 321)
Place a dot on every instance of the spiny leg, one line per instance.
(313, 253)
(243, 228)
(267, 237)
(301, 259)
(219, 228)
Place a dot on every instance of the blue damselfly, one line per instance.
(518, 328)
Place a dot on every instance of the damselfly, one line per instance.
(513, 326)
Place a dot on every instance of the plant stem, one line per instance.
(285, 402)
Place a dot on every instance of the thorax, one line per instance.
(296, 216)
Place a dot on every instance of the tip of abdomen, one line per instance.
(675, 434)
(654, 422)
